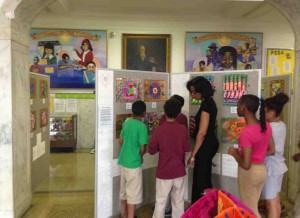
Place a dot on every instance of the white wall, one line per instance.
(277, 34)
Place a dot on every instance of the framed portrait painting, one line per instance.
(223, 51)
(69, 57)
(146, 52)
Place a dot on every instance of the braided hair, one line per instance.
(252, 103)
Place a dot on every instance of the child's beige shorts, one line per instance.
(131, 188)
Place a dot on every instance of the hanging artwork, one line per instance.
(234, 86)
(128, 90)
(231, 129)
(43, 89)
(32, 121)
(120, 119)
(151, 120)
(32, 88)
(276, 86)
(155, 90)
(223, 51)
(146, 52)
(69, 57)
(211, 80)
(44, 117)
(280, 61)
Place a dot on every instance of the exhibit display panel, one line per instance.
(116, 90)
(229, 86)
(270, 86)
(39, 128)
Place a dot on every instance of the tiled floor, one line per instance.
(69, 190)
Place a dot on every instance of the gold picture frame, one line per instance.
(146, 52)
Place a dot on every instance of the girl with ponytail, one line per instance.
(255, 142)
(275, 164)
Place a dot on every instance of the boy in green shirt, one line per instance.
(133, 141)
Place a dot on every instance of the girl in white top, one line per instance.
(275, 164)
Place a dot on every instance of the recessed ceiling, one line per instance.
(173, 9)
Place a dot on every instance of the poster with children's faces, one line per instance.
(221, 51)
(128, 90)
(44, 117)
(276, 86)
(120, 119)
(151, 120)
(32, 88)
(155, 90)
(231, 129)
(234, 86)
(69, 57)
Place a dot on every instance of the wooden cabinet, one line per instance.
(63, 132)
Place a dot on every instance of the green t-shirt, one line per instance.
(134, 134)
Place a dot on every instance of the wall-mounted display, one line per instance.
(69, 57)
(223, 51)
(128, 90)
(43, 89)
(155, 90)
(231, 128)
(120, 119)
(32, 88)
(32, 121)
(234, 86)
(44, 117)
(146, 52)
(280, 61)
(276, 86)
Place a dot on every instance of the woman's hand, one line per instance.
(232, 151)
(191, 161)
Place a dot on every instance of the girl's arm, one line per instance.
(203, 126)
(271, 147)
(243, 161)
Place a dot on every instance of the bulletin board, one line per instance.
(116, 90)
(39, 128)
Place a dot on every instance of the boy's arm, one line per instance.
(142, 150)
(153, 146)
(121, 140)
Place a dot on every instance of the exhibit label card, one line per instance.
(229, 166)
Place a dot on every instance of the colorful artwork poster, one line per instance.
(234, 86)
(32, 88)
(69, 57)
(128, 90)
(44, 117)
(32, 121)
(151, 120)
(231, 129)
(280, 61)
(210, 78)
(276, 86)
(120, 119)
(155, 90)
(223, 51)
(192, 125)
(43, 89)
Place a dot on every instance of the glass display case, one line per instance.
(63, 132)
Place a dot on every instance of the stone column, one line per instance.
(291, 10)
(15, 158)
